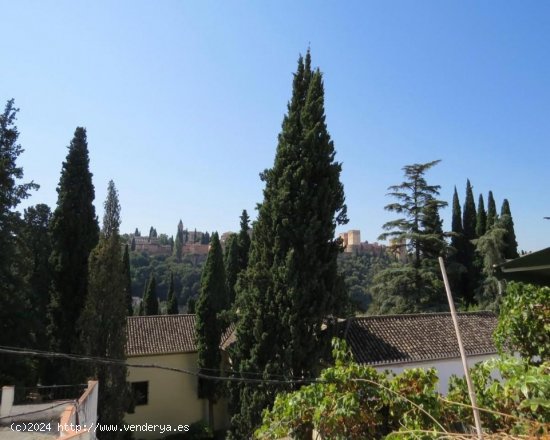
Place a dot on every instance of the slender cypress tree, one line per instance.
(231, 262)
(511, 245)
(103, 320)
(491, 211)
(172, 305)
(291, 285)
(127, 280)
(178, 245)
(458, 232)
(243, 241)
(74, 232)
(212, 300)
(150, 300)
(481, 223)
(469, 218)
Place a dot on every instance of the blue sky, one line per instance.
(183, 100)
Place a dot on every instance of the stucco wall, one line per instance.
(172, 398)
(445, 369)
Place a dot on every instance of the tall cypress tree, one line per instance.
(511, 245)
(14, 329)
(469, 215)
(291, 285)
(172, 303)
(231, 262)
(481, 222)
(103, 320)
(74, 232)
(150, 300)
(212, 300)
(127, 276)
(458, 232)
(491, 211)
(178, 245)
(243, 241)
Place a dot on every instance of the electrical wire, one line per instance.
(110, 361)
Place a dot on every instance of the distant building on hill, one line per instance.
(150, 245)
(353, 245)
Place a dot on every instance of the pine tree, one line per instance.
(127, 275)
(14, 328)
(413, 197)
(212, 300)
(511, 245)
(415, 286)
(481, 223)
(243, 241)
(491, 211)
(172, 306)
(150, 300)
(291, 286)
(469, 220)
(74, 232)
(103, 320)
(231, 262)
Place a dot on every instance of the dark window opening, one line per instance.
(140, 391)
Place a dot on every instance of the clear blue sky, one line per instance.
(183, 100)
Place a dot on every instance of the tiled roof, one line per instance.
(162, 334)
(394, 339)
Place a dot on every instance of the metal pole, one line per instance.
(471, 391)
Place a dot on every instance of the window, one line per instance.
(140, 391)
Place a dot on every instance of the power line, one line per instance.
(110, 361)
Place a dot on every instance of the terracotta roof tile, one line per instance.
(162, 334)
(395, 339)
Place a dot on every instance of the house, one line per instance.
(399, 342)
(164, 396)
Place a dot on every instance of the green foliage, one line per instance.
(516, 403)
(351, 401)
(292, 283)
(491, 211)
(213, 299)
(36, 238)
(172, 303)
(103, 320)
(358, 272)
(511, 249)
(524, 322)
(413, 197)
(14, 329)
(481, 221)
(150, 300)
(490, 248)
(404, 288)
(415, 286)
(74, 232)
(243, 241)
(127, 276)
(186, 273)
(231, 262)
